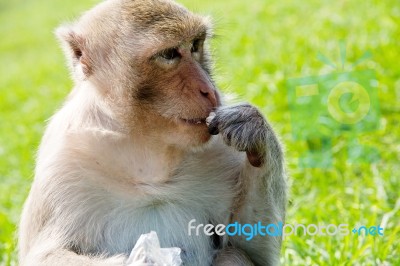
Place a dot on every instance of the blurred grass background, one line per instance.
(259, 45)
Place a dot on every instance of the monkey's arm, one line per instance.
(40, 244)
(263, 195)
(44, 256)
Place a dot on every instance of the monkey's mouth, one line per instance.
(193, 121)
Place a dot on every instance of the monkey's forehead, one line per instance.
(165, 18)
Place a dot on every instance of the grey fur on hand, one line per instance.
(242, 127)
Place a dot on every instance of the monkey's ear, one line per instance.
(76, 50)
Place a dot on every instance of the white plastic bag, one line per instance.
(147, 251)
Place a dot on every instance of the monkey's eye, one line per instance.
(196, 46)
(170, 54)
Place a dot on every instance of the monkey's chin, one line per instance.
(192, 134)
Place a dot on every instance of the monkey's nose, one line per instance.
(210, 94)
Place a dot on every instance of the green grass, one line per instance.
(259, 45)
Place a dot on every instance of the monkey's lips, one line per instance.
(193, 121)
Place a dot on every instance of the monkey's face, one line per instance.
(177, 92)
(173, 85)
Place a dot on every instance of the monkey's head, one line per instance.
(148, 60)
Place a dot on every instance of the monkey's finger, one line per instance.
(254, 158)
(212, 124)
(213, 128)
(228, 138)
(210, 117)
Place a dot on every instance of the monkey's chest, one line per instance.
(178, 213)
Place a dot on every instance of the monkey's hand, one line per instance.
(242, 127)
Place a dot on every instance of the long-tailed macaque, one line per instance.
(144, 143)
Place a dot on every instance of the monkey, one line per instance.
(144, 142)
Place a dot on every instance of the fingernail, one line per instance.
(210, 118)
